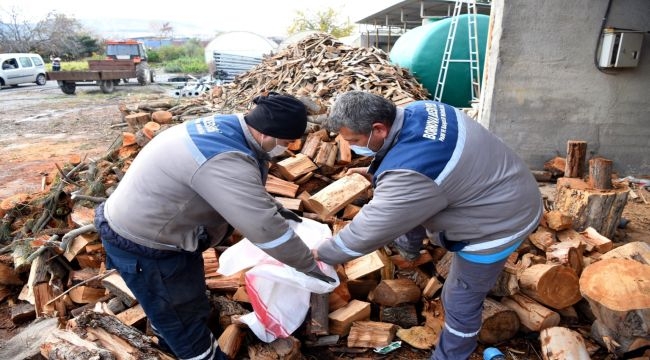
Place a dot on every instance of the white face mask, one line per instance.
(277, 150)
(364, 150)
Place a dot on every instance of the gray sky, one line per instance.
(266, 17)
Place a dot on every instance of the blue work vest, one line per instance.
(218, 134)
(426, 142)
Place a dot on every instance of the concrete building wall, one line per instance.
(543, 89)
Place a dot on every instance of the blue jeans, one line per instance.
(170, 287)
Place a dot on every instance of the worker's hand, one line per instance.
(359, 170)
(318, 274)
(289, 215)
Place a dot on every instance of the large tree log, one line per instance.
(500, 323)
(552, 285)
(618, 292)
(601, 210)
(560, 343)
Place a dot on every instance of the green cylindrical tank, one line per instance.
(420, 50)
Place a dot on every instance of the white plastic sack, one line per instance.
(278, 293)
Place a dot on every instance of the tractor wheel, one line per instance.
(107, 86)
(68, 87)
(143, 73)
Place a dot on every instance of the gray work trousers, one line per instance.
(463, 294)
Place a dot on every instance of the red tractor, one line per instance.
(131, 50)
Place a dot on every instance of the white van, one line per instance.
(17, 68)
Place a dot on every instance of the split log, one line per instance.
(124, 342)
(116, 285)
(575, 159)
(567, 253)
(294, 167)
(339, 194)
(619, 295)
(318, 322)
(595, 240)
(499, 323)
(8, 276)
(444, 264)
(290, 203)
(132, 316)
(22, 312)
(363, 265)
(542, 238)
(601, 210)
(371, 334)
(326, 155)
(637, 250)
(600, 173)
(350, 211)
(556, 166)
(136, 121)
(230, 341)
(86, 294)
(432, 287)
(552, 285)
(508, 283)
(404, 316)
(312, 143)
(533, 316)
(63, 345)
(277, 186)
(420, 337)
(344, 154)
(558, 220)
(78, 244)
(560, 343)
(434, 315)
(341, 320)
(395, 292)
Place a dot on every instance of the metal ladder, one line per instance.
(473, 50)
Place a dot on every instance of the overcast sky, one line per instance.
(266, 17)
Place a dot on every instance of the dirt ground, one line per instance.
(41, 127)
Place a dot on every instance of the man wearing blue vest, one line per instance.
(437, 170)
(186, 191)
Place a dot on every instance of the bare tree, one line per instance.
(56, 34)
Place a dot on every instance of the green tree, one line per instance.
(323, 20)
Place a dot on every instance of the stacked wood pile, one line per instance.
(318, 67)
(555, 285)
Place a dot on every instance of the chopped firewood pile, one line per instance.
(568, 289)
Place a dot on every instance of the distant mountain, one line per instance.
(129, 28)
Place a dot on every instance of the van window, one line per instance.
(25, 62)
(37, 61)
(10, 64)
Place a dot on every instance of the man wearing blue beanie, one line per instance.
(186, 191)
